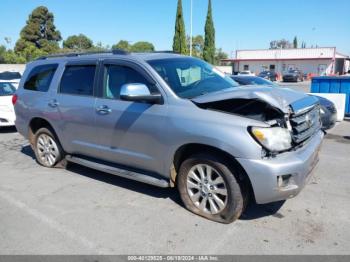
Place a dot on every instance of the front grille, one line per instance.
(305, 124)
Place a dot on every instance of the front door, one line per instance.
(128, 131)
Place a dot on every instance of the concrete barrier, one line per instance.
(225, 69)
(12, 67)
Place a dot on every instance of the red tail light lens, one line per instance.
(14, 99)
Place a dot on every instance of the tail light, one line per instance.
(14, 99)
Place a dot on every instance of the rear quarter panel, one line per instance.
(33, 104)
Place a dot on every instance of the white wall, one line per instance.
(347, 66)
(225, 69)
(306, 66)
(12, 67)
(322, 52)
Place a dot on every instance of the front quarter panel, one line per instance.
(190, 124)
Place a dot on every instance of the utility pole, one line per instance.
(191, 30)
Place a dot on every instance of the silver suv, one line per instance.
(171, 121)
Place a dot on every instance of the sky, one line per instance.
(239, 24)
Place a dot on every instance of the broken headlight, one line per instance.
(275, 139)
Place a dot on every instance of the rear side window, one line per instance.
(78, 80)
(39, 79)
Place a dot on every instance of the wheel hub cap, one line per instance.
(207, 189)
(47, 149)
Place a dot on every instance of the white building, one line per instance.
(317, 61)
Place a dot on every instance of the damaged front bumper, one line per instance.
(285, 175)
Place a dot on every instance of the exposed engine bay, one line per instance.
(251, 108)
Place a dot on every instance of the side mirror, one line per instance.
(139, 93)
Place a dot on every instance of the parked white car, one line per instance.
(10, 77)
(7, 113)
(246, 73)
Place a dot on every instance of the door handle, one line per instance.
(103, 110)
(53, 103)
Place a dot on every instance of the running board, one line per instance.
(144, 178)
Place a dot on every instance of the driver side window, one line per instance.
(115, 76)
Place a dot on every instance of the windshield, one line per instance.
(253, 81)
(190, 77)
(7, 89)
(10, 75)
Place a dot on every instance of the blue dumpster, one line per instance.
(333, 84)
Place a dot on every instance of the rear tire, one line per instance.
(47, 149)
(209, 187)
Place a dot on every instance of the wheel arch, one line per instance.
(184, 151)
(35, 124)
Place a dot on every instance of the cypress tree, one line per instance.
(295, 42)
(209, 42)
(179, 44)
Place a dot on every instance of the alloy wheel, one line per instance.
(207, 189)
(47, 150)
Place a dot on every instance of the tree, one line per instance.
(179, 42)
(123, 45)
(219, 55)
(10, 57)
(197, 45)
(142, 46)
(79, 42)
(2, 54)
(209, 42)
(40, 31)
(303, 45)
(295, 42)
(280, 44)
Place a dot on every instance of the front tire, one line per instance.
(208, 187)
(47, 148)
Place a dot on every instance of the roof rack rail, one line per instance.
(114, 52)
(162, 52)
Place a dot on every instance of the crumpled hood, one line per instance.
(277, 97)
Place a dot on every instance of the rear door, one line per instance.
(74, 102)
(128, 131)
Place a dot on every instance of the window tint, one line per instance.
(10, 75)
(6, 89)
(39, 79)
(116, 76)
(252, 81)
(190, 77)
(78, 80)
